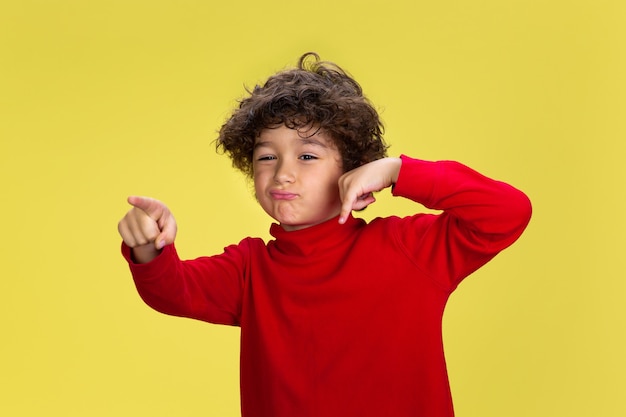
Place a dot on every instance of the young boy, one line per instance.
(338, 317)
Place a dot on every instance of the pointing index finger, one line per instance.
(150, 206)
(346, 208)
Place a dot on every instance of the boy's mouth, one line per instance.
(282, 195)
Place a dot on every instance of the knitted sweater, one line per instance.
(345, 320)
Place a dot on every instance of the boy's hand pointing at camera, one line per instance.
(356, 187)
(147, 228)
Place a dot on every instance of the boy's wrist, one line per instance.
(144, 253)
(395, 164)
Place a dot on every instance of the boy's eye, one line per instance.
(307, 157)
(266, 158)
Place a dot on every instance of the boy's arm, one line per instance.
(480, 218)
(206, 288)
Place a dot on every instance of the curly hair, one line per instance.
(315, 93)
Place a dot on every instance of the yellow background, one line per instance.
(102, 99)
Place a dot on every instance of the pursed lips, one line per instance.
(282, 195)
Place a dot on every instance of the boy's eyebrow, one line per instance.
(312, 141)
(259, 144)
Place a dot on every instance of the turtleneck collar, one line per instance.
(314, 239)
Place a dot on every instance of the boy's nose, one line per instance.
(284, 173)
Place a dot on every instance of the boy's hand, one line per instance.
(356, 187)
(147, 228)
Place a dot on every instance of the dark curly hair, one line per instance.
(315, 93)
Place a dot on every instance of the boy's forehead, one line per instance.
(304, 135)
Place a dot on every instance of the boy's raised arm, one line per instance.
(479, 217)
(147, 228)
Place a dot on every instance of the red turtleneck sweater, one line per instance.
(345, 320)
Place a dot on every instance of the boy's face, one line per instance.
(296, 176)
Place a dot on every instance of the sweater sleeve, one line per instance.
(206, 288)
(480, 217)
